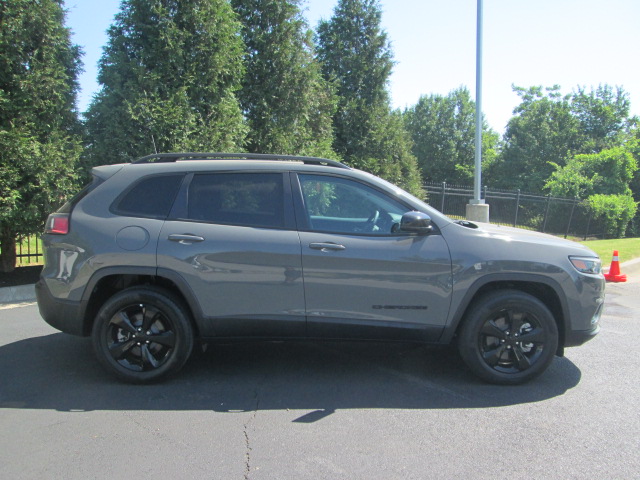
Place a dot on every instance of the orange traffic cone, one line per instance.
(614, 271)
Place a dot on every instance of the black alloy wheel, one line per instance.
(142, 334)
(508, 337)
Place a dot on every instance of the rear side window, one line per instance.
(151, 197)
(245, 199)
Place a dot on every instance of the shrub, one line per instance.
(615, 211)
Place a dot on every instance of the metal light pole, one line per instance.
(477, 209)
(477, 185)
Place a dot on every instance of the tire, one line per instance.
(508, 337)
(142, 335)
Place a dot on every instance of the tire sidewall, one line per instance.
(488, 306)
(173, 311)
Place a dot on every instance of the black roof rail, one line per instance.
(174, 157)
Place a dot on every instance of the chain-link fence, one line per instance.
(555, 215)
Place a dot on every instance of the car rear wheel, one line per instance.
(508, 337)
(142, 334)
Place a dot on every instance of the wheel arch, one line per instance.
(108, 281)
(545, 289)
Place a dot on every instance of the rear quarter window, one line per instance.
(151, 197)
(68, 206)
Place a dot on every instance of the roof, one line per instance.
(186, 156)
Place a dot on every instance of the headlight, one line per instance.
(591, 265)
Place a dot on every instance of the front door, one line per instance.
(362, 278)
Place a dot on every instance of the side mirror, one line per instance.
(416, 222)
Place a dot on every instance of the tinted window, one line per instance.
(247, 199)
(340, 205)
(151, 197)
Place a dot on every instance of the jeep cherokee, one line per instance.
(174, 250)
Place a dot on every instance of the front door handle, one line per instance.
(326, 246)
(185, 238)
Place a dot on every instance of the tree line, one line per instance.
(251, 75)
(582, 144)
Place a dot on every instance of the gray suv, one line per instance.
(177, 250)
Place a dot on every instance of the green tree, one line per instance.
(543, 133)
(443, 132)
(609, 172)
(393, 160)
(356, 56)
(39, 128)
(603, 179)
(286, 101)
(549, 129)
(614, 211)
(603, 114)
(631, 144)
(169, 76)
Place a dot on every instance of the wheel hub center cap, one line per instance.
(512, 340)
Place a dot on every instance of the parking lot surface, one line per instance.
(319, 410)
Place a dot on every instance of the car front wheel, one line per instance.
(508, 337)
(142, 334)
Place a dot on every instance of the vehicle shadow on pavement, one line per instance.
(60, 372)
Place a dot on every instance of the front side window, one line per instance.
(339, 205)
(245, 199)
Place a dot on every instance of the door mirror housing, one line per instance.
(416, 222)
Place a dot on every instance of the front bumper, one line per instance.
(60, 314)
(578, 337)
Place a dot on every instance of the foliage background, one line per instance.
(252, 75)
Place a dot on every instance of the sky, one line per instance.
(571, 43)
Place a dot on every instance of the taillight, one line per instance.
(57, 223)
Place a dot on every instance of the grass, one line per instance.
(28, 245)
(628, 248)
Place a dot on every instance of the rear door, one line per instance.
(362, 278)
(232, 240)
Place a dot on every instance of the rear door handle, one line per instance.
(185, 238)
(326, 246)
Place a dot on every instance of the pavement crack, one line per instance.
(247, 440)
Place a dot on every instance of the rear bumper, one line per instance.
(60, 314)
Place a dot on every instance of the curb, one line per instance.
(20, 293)
(27, 293)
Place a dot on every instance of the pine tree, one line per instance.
(287, 103)
(357, 56)
(169, 76)
(39, 127)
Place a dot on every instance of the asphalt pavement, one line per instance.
(319, 410)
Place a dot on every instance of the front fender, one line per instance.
(527, 282)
